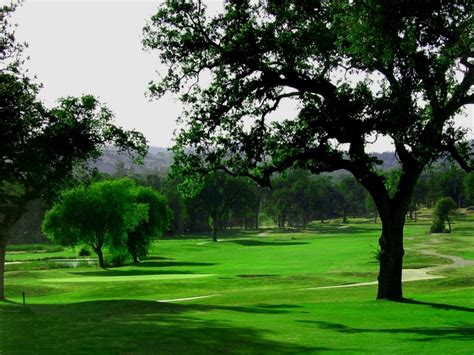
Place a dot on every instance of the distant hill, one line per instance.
(158, 160)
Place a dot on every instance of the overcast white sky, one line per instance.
(94, 47)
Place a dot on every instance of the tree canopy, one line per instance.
(444, 208)
(158, 221)
(356, 70)
(98, 215)
(117, 214)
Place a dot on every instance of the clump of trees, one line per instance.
(40, 146)
(444, 209)
(117, 214)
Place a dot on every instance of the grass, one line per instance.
(260, 302)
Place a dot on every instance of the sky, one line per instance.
(94, 47)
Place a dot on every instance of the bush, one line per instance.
(437, 226)
(118, 259)
(445, 207)
(84, 252)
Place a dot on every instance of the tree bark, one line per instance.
(6, 225)
(214, 229)
(135, 258)
(392, 211)
(391, 258)
(214, 234)
(98, 251)
(3, 250)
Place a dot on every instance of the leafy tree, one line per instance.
(352, 197)
(469, 187)
(419, 197)
(176, 203)
(371, 207)
(246, 204)
(159, 216)
(40, 146)
(444, 208)
(294, 198)
(451, 180)
(100, 215)
(356, 70)
(219, 196)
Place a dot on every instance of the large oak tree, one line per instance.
(39, 146)
(356, 69)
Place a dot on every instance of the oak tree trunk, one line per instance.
(391, 257)
(99, 253)
(3, 250)
(214, 229)
(5, 234)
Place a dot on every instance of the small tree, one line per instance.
(443, 210)
(98, 215)
(159, 218)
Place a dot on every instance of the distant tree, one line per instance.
(245, 209)
(356, 69)
(420, 194)
(99, 215)
(441, 214)
(370, 207)
(469, 187)
(220, 196)
(39, 146)
(176, 202)
(451, 180)
(352, 196)
(121, 169)
(159, 217)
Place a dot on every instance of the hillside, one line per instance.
(160, 159)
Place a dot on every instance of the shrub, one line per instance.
(84, 252)
(118, 259)
(445, 207)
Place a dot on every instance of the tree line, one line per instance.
(295, 198)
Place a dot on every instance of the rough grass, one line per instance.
(260, 303)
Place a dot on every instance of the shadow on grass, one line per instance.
(459, 332)
(133, 326)
(314, 229)
(447, 307)
(118, 273)
(259, 243)
(147, 263)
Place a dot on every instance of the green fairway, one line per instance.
(263, 296)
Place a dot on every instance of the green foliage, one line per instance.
(97, 215)
(40, 146)
(445, 207)
(84, 251)
(158, 221)
(356, 70)
(469, 187)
